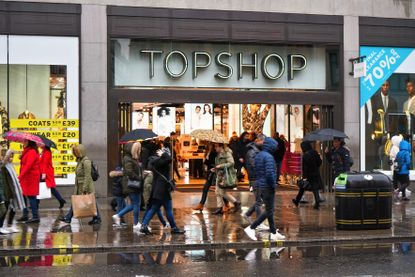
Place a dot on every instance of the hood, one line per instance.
(396, 140)
(79, 150)
(270, 145)
(404, 146)
(306, 146)
(252, 145)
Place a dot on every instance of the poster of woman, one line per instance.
(198, 116)
(164, 120)
(140, 120)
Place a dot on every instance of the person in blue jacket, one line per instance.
(266, 183)
(403, 164)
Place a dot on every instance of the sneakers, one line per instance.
(137, 226)
(64, 219)
(177, 231)
(95, 221)
(33, 220)
(144, 230)
(262, 227)
(4, 231)
(276, 236)
(22, 219)
(13, 229)
(117, 219)
(250, 233)
(167, 226)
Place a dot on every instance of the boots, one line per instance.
(226, 208)
(199, 207)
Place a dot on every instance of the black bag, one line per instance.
(172, 183)
(304, 184)
(94, 171)
(134, 184)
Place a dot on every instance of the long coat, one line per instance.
(161, 166)
(83, 180)
(131, 169)
(46, 167)
(311, 163)
(225, 160)
(30, 172)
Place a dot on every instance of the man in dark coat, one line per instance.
(311, 163)
(339, 157)
(265, 180)
(279, 154)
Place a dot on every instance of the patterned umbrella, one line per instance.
(209, 135)
(22, 136)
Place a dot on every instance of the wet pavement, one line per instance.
(204, 231)
(324, 260)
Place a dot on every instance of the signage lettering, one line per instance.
(202, 60)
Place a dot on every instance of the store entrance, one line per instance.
(290, 122)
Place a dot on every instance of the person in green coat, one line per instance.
(224, 160)
(83, 181)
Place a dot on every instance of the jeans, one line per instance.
(403, 180)
(69, 215)
(155, 207)
(268, 196)
(120, 203)
(134, 206)
(257, 205)
(34, 206)
(316, 196)
(159, 215)
(57, 195)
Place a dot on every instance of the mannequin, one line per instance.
(26, 115)
(253, 118)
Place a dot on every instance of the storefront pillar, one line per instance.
(94, 89)
(351, 88)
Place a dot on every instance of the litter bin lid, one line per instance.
(363, 180)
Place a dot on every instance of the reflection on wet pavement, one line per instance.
(216, 255)
(298, 224)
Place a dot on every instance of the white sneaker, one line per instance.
(13, 229)
(116, 219)
(149, 228)
(276, 236)
(251, 233)
(4, 231)
(137, 226)
(167, 226)
(262, 227)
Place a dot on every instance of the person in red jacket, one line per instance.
(48, 174)
(29, 179)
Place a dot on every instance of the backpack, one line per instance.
(94, 171)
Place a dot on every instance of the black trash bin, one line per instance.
(363, 201)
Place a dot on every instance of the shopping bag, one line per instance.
(226, 179)
(44, 191)
(84, 205)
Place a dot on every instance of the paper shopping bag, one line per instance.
(44, 191)
(84, 205)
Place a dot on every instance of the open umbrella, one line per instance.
(209, 135)
(138, 134)
(48, 143)
(324, 135)
(22, 136)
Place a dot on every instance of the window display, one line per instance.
(387, 107)
(164, 120)
(39, 93)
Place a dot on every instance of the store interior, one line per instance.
(291, 122)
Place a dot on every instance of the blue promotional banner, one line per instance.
(381, 63)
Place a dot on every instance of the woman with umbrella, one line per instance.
(29, 179)
(47, 170)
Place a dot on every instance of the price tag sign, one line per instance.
(381, 63)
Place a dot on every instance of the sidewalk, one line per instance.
(302, 226)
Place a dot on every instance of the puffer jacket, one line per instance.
(83, 180)
(340, 160)
(265, 166)
(253, 150)
(404, 157)
(130, 166)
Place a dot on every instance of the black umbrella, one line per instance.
(324, 135)
(312, 136)
(48, 143)
(138, 134)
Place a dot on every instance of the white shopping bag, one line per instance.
(44, 191)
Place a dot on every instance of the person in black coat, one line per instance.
(339, 157)
(311, 163)
(161, 190)
(240, 154)
(279, 154)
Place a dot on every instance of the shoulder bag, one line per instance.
(226, 180)
(136, 184)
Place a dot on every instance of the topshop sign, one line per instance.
(148, 64)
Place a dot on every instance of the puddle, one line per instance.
(193, 256)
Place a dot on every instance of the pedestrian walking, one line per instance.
(402, 167)
(29, 180)
(311, 179)
(209, 162)
(241, 154)
(161, 190)
(131, 172)
(266, 182)
(224, 162)
(253, 149)
(396, 140)
(48, 174)
(83, 181)
(339, 157)
(279, 154)
(11, 192)
(117, 191)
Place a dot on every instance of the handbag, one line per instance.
(44, 191)
(304, 184)
(172, 183)
(134, 184)
(84, 205)
(226, 180)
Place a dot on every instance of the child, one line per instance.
(402, 166)
(116, 176)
